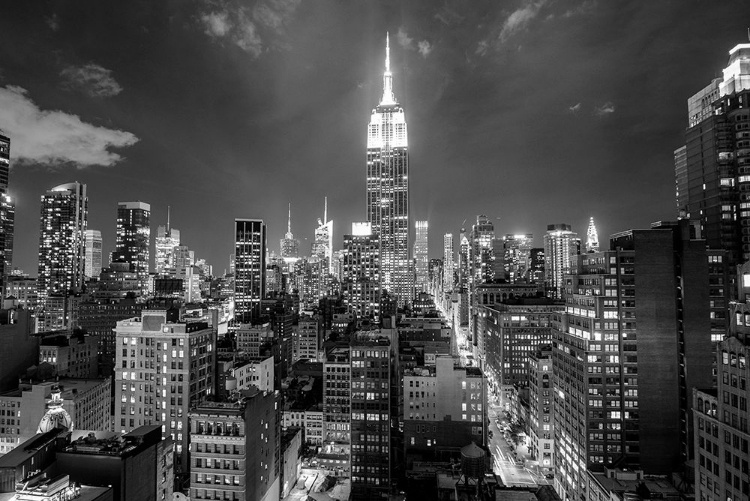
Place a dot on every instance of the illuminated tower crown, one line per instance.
(592, 237)
(56, 416)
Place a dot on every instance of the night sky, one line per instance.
(531, 112)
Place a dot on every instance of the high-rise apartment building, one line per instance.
(249, 268)
(421, 249)
(370, 416)
(167, 238)
(64, 216)
(93, 263)
(516, 257)
(162, 368)
(7, 213)
(560, 250)
(336, 404)
(361, 281)
(448, 280)
(541, 436)
(721, 418)
(464, 262)
(445, 408)
(133, 239)
(712, 173)
(633, 341)
(481, 237)
(388, 189)
(322, 247)
(234, 451)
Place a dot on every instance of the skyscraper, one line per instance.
(93, 263)
(388, 189)
(517, 257)
(322, 247)
(289, 245)
(560, 250)
(7, 213)
(64, 216)
(167, 238)
(448, 262)
(711, 174)
(361, 280)
(133, 239)
(421, 249)
(249, 268)
(481, 236)
(592, 237)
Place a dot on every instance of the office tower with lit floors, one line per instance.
(361, 271)
(712, 170)
(632, 343)
(64, 216)
(249, 268)
(93, 264)
(516, 257)
(421, 249)
(133, 239)
(162, 368)
(289, 246)
(7, 213)
(481, 237)
(388, 189)
(560, 250)
(167, 238)
(448, 261)
(370, 416)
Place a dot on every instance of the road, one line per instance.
(510, 471)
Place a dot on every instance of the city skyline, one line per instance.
(201, 132)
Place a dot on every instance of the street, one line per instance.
(512, 472)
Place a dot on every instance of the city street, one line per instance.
(512, 471)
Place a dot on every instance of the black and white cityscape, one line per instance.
(269, 250)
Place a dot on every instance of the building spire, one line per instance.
(168, 209)
(289, 219)
(388, 97)
(325, 211)
(592, 237)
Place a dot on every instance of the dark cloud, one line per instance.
(91, 79)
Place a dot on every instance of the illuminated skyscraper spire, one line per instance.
(388, 97)
(592, 237)
(289, 223)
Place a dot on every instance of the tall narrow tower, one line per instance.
(133, 239)
(388, 188)
(63, 222)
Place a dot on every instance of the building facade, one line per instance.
(421, 249)
(64, 217)
(249, 268)
(388, 189)
(133, 239)
(560, 250)
(162, 368)
(361, 271)
(370, 416)
(93, 263)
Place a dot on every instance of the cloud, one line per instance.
(52, 137)
(424, 48)
(216, 23)
(404, 40)
(584, 8)
(53, 22)
(92, 79)
(604, 109)
(482, 47)
(575, 108)
(242, 27)
(520, 18)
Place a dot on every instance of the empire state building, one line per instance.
(388, 189)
